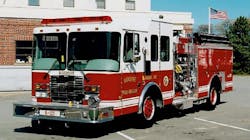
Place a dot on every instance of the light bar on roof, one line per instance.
(102, 19)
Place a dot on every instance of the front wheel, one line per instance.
(35, 124)
(40, 125)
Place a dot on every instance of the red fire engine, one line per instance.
(93, 69)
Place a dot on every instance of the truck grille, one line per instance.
(66, 88)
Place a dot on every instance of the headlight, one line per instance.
(42, 94)
(42, 90)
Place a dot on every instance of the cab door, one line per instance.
(166, 65)
(131, 71)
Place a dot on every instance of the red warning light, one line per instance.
(103, 19)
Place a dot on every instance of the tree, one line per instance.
(239, 36)
(222, 28)
(203, 29)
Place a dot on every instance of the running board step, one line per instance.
(184, 103)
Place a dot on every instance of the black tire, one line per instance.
(149, 111)
(39, 125)
(213, 99)
(35, 124)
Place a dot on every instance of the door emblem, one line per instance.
(165, 81)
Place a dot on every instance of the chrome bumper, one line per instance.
(63, 112)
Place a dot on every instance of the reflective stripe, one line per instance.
(167, 94)
(178, 69)
(129, 102)
(229, 84)
(117, 104)
(204, 88)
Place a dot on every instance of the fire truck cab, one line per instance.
(92, 69)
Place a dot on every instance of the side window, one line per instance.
(68, 3)
(131, 46)
(154, 48)
(165, 44)
(33, 3)
(100, 4)
(136, 44)
(130, 5)
(23, 51)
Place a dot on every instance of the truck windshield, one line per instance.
(94, 51)
(50, 51)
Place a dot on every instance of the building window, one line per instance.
(130, 5)
(33, 2)
(165, 44)
(68, 3)
(100, 4)
(23, 51)
(154, 48)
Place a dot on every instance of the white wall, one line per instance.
(111, 5)
(54, 8)
(20, 12)
(50, 4)
(14, 78)
(14, 3)
(85, 4)
(143, 5)
(176, 17)
(115, 5)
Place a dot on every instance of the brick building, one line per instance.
(16, 39)
(19, 17)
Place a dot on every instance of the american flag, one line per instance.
(217, 14)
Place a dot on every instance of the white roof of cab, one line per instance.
(126, 22)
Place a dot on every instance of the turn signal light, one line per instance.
(41, 86)
(94, 89)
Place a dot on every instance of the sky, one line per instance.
(199, 8)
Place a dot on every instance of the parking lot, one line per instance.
(229, 121)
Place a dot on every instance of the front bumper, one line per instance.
(63, 112)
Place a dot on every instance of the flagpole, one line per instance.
(209, 20)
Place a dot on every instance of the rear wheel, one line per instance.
(213, 99)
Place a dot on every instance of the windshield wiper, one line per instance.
(73, 59)
(47, 74)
